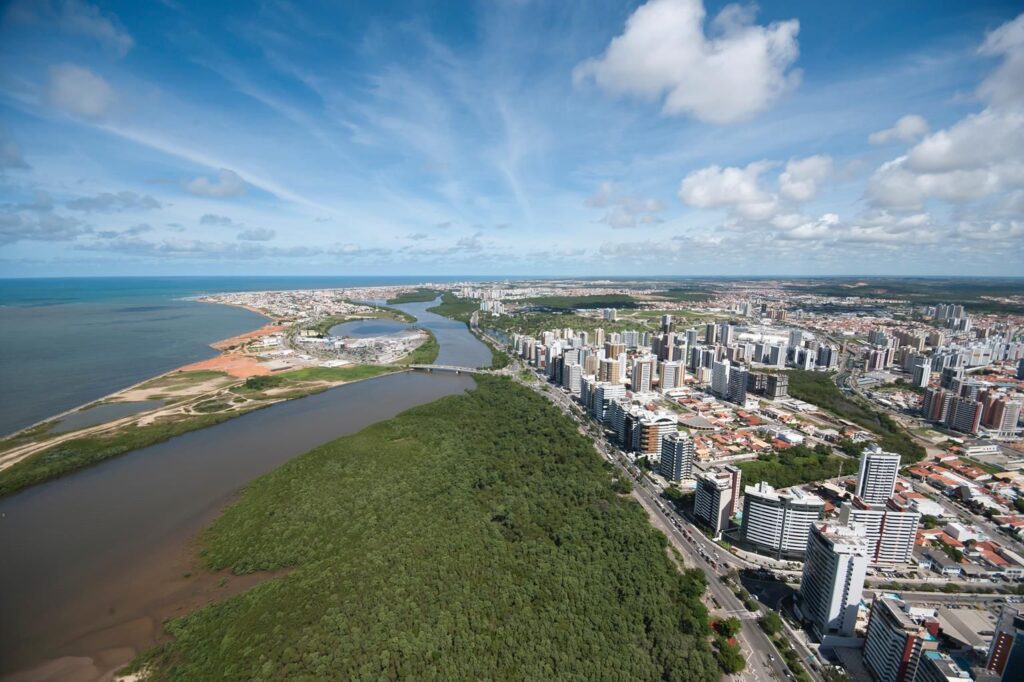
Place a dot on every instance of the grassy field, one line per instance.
(454, 307)
(685, 294)
(475, 538)
(818, 388)
(574, 302)
(417, 296)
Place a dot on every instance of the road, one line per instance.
(764, 662)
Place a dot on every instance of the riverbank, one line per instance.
(476, 536)
(195, 396)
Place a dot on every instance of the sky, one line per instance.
(511, 137)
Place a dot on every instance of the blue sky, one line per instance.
(672, 137)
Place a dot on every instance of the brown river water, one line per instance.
(92, 563)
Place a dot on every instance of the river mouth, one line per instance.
(95, 561)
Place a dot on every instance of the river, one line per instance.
(93, 562)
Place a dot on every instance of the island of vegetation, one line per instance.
(477, 537)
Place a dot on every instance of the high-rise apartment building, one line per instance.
(737, 391)
(877, 478)
(651, 428)
(676, 456)
(604, 393)
(964, 415)
(643, 375)
(1006, 652)
(935, 406)
(832, 583)
(608, 370)
(939, 667)
(921, 372)
(716, 498)
(671, 375)
(778, 522)
(895, 642)
(720, 378)
(889, 531)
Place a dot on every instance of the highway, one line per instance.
(763, 660)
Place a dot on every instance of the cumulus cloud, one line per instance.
(227, 184)
(980, 155)
(623, 209)
(77, 18)
(907, 129)
(42, 227)
(256, 234)
(215, 219)
(737, 189)
(417, 236)
(10, 154)
(802, 177)
(109, 202)
(78, 91)
(729, 76)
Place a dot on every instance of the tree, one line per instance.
(729, 656)
(729, 627)
(771, 622)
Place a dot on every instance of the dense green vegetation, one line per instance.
(78, 453)
(576, 302)
(771, 622)
(454, 307)
(795, 465)
(425, 354)
(685, 294)
(535, 323)
(477, 537)
(349, 373)
(420, 295)
(818, 388)
(970, 292)
(263, 383)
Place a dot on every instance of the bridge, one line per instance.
(451, 368)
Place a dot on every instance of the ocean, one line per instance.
(69, 341)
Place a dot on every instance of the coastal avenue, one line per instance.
(764, 662)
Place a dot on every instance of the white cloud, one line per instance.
(256, 234)
(78, 91)
(227, 184)
(215, 219)
(907, 129)
(735, 188)
(981, 154)
(729, 77)
(75, 17)
(802, 177)
(109, 202)
(624, 210)
(10, 154)
(1005, 86)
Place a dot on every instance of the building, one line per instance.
(604, 393)
(737, 391)
(671, 375)
(778, 522)
(720, 378)
(895, 643)
(778, 386)
(572, 375)
(889, 531)
(921, 372)
(832, 583)
(676, 456)
(608, 369)
(651, 429)
(964, 415)
(939, 667)
(935, 406)
(715, 500)
(877, 478)
(1006, 652)
(643, 375)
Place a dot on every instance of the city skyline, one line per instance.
(668, 137)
